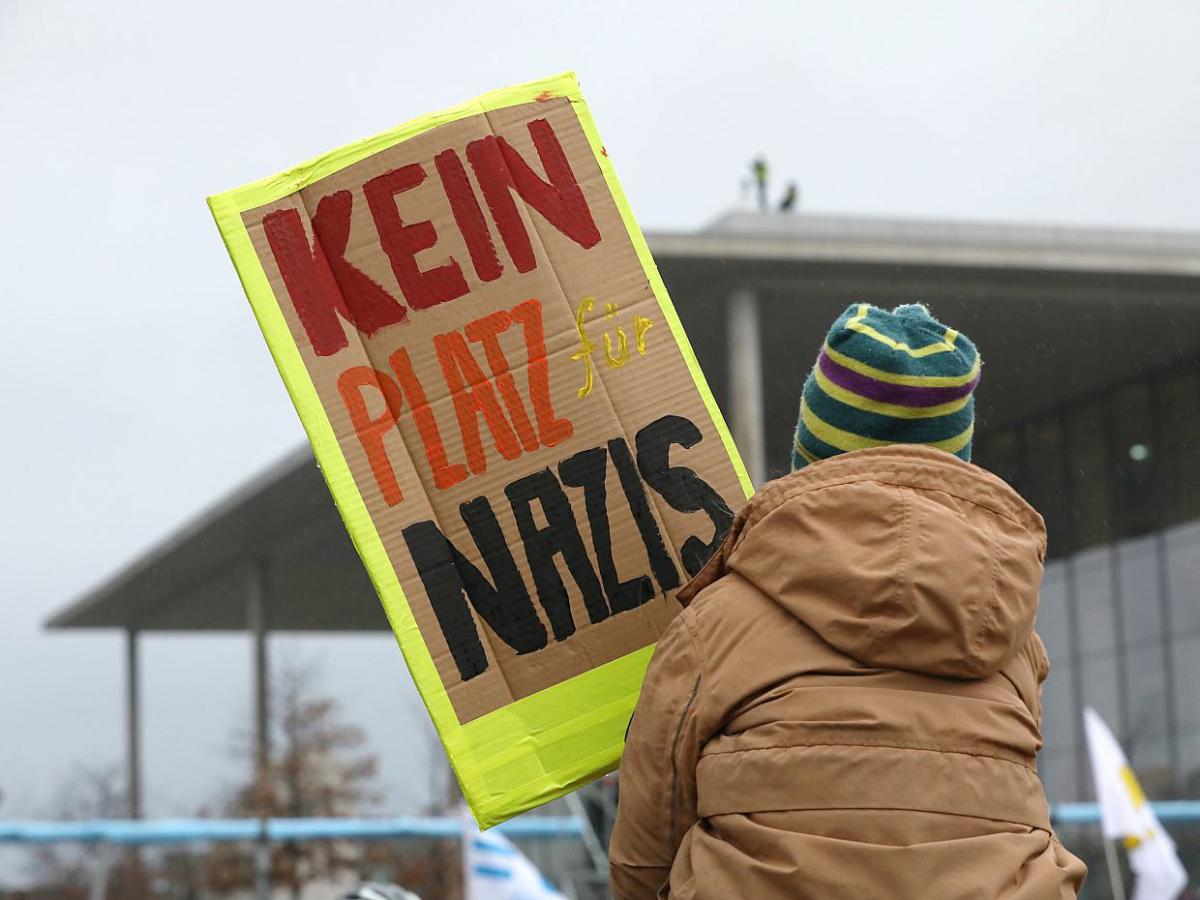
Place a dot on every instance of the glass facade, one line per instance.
(1117, 477)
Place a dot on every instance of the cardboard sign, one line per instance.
(507, 412)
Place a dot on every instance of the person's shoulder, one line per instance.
(728, 599)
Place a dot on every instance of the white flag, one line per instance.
(1125, 815)
(494, 869)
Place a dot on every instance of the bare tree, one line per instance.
(319, 766)
(70, 871)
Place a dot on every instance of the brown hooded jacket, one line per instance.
(849, 706)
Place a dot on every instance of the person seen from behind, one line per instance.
(849, 705)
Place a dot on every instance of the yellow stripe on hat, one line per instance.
(909, 380)
(847, 440)
(886, 409)
(858, 323)
(803, 451)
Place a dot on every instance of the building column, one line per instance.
(135, 885)
(256, 624)
(133, 725)
(745, 381)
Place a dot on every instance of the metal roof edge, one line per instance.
(811, 238)
(192, 526)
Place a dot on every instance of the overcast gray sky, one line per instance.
(137, 389)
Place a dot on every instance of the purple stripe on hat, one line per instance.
(884, 392)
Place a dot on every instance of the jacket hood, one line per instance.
(901, 557)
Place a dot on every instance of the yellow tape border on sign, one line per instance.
(500, 774)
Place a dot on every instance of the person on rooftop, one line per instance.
(761, 173)
(791, 197)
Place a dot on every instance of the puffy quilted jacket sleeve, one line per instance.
(658, 770)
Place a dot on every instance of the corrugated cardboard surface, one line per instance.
(543, 703)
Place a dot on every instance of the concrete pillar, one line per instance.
(745, 381)
(257, 625)
(133, 773)
(133, 725)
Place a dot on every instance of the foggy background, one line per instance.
(137, 389)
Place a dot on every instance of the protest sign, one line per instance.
(508, 415)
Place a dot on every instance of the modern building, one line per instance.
(1089, 405)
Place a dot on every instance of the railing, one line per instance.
(173, 831)
(1089, 813)
(133, 832)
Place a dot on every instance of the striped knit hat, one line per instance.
(899, 377)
